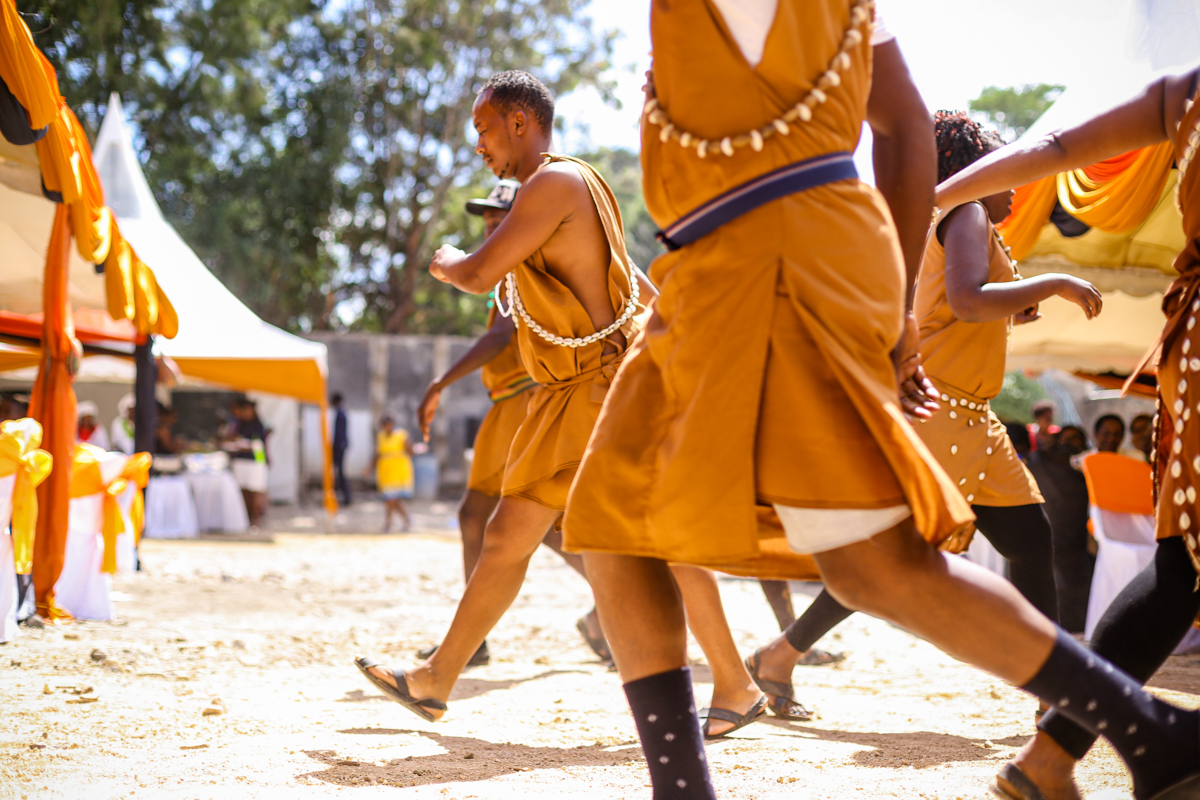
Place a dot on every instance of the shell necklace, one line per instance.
(515, 304)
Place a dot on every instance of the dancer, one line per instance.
(967, 299)
(1154, 612)
(777, 307)
(496, 355)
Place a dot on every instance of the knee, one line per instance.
(508, 543)
(852, 587)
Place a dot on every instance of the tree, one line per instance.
(622, 169)
(1013, 109)
(416, 68)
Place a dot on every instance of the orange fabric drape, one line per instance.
(1118, 199)
(1115, 195)
(25, 70)
(331, 503)
(87, 479)
(19, 454)
(53, 406)
(1119, 484)
(1032, 204)
(133, 292)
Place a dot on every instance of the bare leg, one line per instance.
(473, 516)
(966, 611)
(513, 534)
(733, 688)
(640, 604)
(779, 595)
(403, 512)
(591, 619)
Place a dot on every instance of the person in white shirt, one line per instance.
(122, 426)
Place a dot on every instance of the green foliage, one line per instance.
(1011, 110)
(315, 152)
(1016, 399)
(622, 169)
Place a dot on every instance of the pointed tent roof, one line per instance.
(220, 339)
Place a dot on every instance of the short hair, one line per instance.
(1042, 406)
(1141, 419)
(336, 398)
(1018, 434)
(386, 420)
(514, 90)
(1082, 433)
(1108, 418)
(960, 142)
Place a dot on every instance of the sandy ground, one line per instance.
(267, 632)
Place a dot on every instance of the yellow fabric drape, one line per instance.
(19, 453)
(1123, 203)
(88, 479)
(25, 70)
(1031, 208)
(133, 292)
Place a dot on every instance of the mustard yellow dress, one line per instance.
(394, 470)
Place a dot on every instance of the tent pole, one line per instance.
(145, 414)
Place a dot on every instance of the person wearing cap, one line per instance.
(89, 430)
(495, 354)
(122, 426)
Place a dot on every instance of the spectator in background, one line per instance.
(1141, 437)
(1065, 490)
(1018, 434)
(1043, 429)
(165, 442)
(341, 442)
(1110, 432)
(393, 471)
(91, 431)
(247, 443)
(122, 426)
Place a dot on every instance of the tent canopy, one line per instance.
(220, 340)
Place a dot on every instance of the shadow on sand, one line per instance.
(465, 759)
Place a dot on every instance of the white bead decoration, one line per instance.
(514, 300)
(830, 78)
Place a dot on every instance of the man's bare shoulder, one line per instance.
(558, 179)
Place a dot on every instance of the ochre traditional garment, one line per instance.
(507, 383)
(1177, 435)
(574, 380)
(965, 361)
(763, 375)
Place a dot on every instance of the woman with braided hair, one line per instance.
(968, 296)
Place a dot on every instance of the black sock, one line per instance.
(1139, 630)
(821, 616)
(665, 713)
(1158, 742)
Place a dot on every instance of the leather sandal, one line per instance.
(759, 709)
(1024, 788)
(783, 703)
(399, 692)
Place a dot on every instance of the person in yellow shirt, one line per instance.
(393, 471)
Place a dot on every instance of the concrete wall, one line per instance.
(381, 374)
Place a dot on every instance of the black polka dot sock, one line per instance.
(665, 713)
(1159, 742)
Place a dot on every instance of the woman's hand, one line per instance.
(1081, 293)
(918, 398)
(428, 407)
(445, 257)
(1030, 314)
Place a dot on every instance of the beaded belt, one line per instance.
(743, 199)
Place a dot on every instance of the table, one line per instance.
(219, 503)
(170, 509)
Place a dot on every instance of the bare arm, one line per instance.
(1148, 118)
(973, 299)
(905, 157)
(486, 348)
(544, 202)
(905, 170)
(648, 290)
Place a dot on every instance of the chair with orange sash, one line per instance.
(96, 521)
(22, 467)
(1121, 497)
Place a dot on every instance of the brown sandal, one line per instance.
(783, 703)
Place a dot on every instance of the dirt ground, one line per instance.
(266, 633)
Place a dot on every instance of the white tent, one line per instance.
(1133, 269)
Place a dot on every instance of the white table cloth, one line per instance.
(170, 509)
(82, 588)
(219, 503)
(8, 568)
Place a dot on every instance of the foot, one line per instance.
(776, 662)
(815, 657)
(420, 684)
(589, 628)
(739, 701)
(1048, 766)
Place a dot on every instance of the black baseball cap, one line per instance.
(501, 197)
